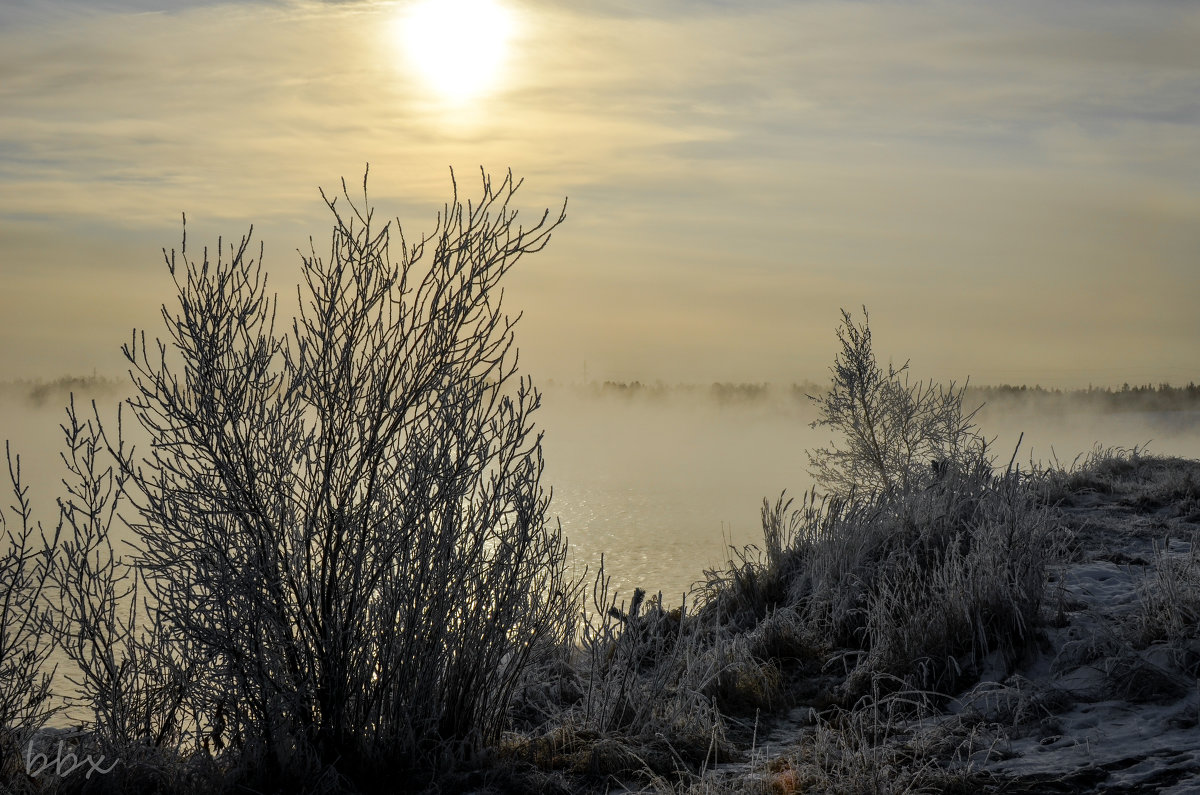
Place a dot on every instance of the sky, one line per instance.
(1012, 189)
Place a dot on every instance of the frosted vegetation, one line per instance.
(345, 574)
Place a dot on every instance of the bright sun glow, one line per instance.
(458, 46)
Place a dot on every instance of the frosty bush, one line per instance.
(24, 650)
(345, 521)
(897, 434)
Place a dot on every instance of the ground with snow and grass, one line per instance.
(1105, 700)
(1024, 633)
(984, 631)
(1110, 701)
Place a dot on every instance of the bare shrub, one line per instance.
(136, 681)
(345, 522)
(26, 559)
(130, 686)
(898, 434)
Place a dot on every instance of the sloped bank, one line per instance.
(1024, 632)
(1104, 698)
(1114, 685)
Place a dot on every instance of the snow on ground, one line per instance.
(1110, 701)
(1119, 712)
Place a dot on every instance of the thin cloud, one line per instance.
(764, 163)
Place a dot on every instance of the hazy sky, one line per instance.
(1013, 189)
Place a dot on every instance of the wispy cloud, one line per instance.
(1029, 166)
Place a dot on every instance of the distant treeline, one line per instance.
(40, 392)
(1147, 397)
(721, 392)
(1143, 397)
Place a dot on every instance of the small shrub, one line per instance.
(898, 435)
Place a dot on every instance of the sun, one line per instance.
(457, 46)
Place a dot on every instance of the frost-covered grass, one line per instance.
(960, 639)
(1135, 479)
(866, 613)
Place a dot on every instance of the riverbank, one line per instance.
(1019, 632)
(1098, 693)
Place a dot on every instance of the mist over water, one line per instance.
(662, 486)
(661, 483)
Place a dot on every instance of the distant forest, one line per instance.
(55, 392)
(1147, 397)
(1127, 397)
